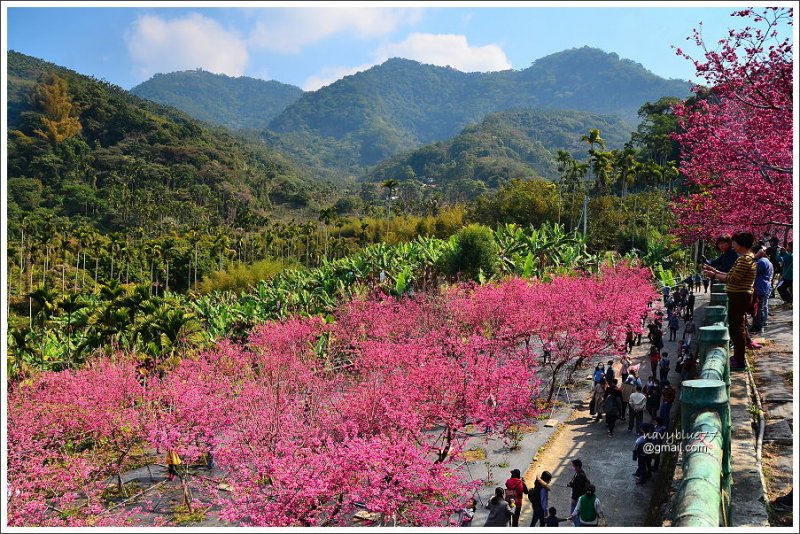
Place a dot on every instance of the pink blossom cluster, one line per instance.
(736, 143)
(313, 421)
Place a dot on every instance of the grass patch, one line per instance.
(474, 455)
(183, 516)
(112, 493)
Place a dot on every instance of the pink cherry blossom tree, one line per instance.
(736, 138)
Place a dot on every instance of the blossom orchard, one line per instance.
(736, 141)
(312, 421)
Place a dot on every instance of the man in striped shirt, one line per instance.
(739, 287)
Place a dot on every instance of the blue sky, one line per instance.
(313, 45)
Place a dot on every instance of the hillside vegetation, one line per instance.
(236, 103)
(362, 119)
(504, 146)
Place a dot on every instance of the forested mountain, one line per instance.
(505, 145)
(236, 103)
(88, 150)
(364, 118)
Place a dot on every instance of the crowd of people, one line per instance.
(612, 402)
(748, 268)
(750, 271)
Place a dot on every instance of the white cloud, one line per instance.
(289, 30)
(442, 50)
(447, 49)
(194, 41)
(328, 75)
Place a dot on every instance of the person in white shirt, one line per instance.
(636, 406)
(587, 509)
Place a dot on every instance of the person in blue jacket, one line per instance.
(727, 256)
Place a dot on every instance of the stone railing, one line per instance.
(703, 499)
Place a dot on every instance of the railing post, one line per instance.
(699, 500)
(705, 411)
(714, 315)
(710, 337)
(718, 296)
(701, 395)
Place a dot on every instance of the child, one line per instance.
(552, 520)
(467, 513)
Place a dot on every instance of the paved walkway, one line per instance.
(774, 378)
(607, 461)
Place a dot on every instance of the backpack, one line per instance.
(664, 363)
(511, 495)
(535, 496)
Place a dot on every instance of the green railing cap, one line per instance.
(714, 333)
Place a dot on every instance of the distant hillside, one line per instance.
(505, 145)
(236, 103)
(135, 164)
(364, 118)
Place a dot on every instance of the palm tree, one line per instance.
(602, 168)
(626, 165)
(573, 174)
(594, 139)
(390, 184)
(71, 304)
(327, 216)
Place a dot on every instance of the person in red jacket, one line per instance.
(515, 489)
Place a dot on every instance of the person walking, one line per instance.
(674, 324)
(596, 403)
(538, 496)
(690, 300)
(173, 461)
(630, 340)
(587, 510)
(659, 435)
(637, 404)
(663, 368)
(689, 329)
(655, 357)
(653, 393)
(641, 458)
(579, 484)
(628, 387)
(552, 519)
(610, 371)
(667, 398)
(658, 337)
(599, 373)
(624, 367)
(698, 279)
(500, 511)
(612, 405)
(706, 281)
(515, 489)
(739, 287)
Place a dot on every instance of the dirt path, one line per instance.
(606, 460)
